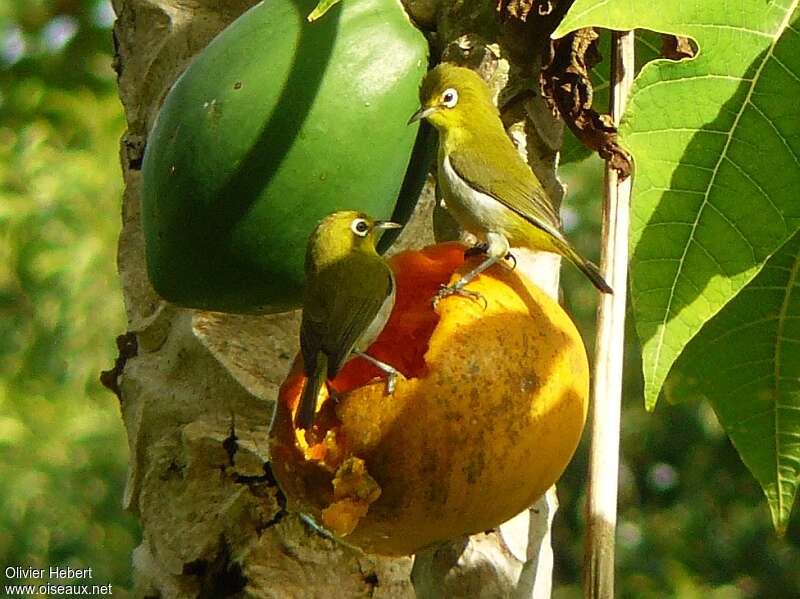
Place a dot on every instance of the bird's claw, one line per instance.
(510, 256)
(391, 382)
(447, 290)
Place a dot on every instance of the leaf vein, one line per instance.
(738, 389)
(681, 163)
(778, 133)
(778, 365)
(747, 419)
(736, 228)
(785, 68)
(729, 136)
(758, 187)
(679, 129)
(679, 190)
(664, 223)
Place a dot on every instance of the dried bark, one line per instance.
(198, 391)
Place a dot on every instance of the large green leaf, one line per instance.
(746, 361)
(716, 142)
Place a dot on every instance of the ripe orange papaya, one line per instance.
(486, 417)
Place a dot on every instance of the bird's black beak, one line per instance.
(422, 113)
(387, 224)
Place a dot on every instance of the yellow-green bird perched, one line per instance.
(349, 296)
(486, 185)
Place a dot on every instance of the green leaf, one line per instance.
(746, 361)
(323, 7)
(716, 143)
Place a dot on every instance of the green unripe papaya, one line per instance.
(277, 123)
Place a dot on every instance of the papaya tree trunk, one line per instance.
(197, 388)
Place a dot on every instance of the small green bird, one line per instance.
(486, 185)
(349, 296)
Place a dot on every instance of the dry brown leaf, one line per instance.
(520, 9)
(677, 47)
(567, 88)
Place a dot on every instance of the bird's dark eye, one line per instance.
(450, 97)
(360, 227)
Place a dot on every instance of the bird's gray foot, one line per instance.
(390, 372)
(510, 256)
(447, 290)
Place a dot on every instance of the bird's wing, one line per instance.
(352, 304)
(510, 181)
(503, 175)
(313, 326)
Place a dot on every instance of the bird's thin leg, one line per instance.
(482, 248)
(462, 282)
(391, 373)
(496, 248)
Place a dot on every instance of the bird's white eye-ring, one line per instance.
(360, 227)
(450, 97)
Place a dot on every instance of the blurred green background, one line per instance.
(692, 522)
(63, 450)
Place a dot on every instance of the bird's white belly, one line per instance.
(376, 326)
(476, 212)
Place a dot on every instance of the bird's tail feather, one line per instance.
(308, 400)
(588, 268)
(563, 247)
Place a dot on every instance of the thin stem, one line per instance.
(609, 347)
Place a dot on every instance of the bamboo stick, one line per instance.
(609, 347)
